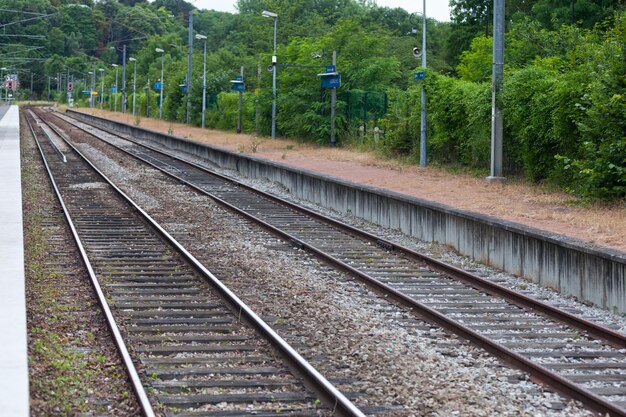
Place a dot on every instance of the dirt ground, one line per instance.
(556, 212)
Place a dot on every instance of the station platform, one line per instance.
(14, 397)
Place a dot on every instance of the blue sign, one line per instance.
(183, 89)
(239, 78)
(157, 86)
(239, 87)
(113, 90)
(419, 75)
(86, 92)
(333, 81)
(331, 68)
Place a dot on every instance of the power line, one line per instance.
(27, 20)
(22, 36)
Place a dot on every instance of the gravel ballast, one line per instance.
(396, 359)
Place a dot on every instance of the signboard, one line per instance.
(157, 86)
(239, 87)
(331, 68)
(113, 90)
(86, 92)
(238, 78)
(331, 81)
(419, 75)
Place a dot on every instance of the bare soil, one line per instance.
(527, 204)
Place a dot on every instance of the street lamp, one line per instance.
(92, 74)
(423, 113)
(116, 70)
(3, 83)
(134, 61)
(162, 52)
(274, 16)
(203, 38)
(102, 87)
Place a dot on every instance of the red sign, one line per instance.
(69, 86)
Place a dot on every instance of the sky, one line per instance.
(437, 9)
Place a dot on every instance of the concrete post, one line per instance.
(496, 92)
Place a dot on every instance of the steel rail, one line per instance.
(538, 372)
(142, 396)
(332, 396)
(612, 337)
(52, 142)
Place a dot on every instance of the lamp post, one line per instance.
(4, 87)
(134, 61)
(203, 38)
(162, 52)
(275, 17)
(116, 71)
(423, 112)
(92, 74)
(101, 87)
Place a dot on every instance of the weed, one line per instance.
(255, 142)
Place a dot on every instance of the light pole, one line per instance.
(162, 52)
(3, 83)
(92, 74)
(275, 17)
(116, 71)
(203, 38)
(101, 87)
(423, 112)
(134, 61)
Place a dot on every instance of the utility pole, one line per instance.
(189, 68)
(333, 105)
(496, 92)
(124, 78)
(31, 86)
(423, 112)
(48, 89)
(240, 108)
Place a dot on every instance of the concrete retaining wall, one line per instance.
(567, 265)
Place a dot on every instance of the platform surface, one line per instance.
(14, 398)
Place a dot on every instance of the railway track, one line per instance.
(200, 350)
(574, 356)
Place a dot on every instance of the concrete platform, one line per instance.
(14, 397)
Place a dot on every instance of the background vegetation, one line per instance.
(565, 84)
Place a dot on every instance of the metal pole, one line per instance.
(204, 86)
(134, 84)
(102, 90)
(423, 112)
(148, 99)
(189, 66)
(274, 68)
(240, 108)
(333, 105)
(123, 78)
(496, 91)
(48, 90)
(116, 90)
(31, 86)
(162, 86)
